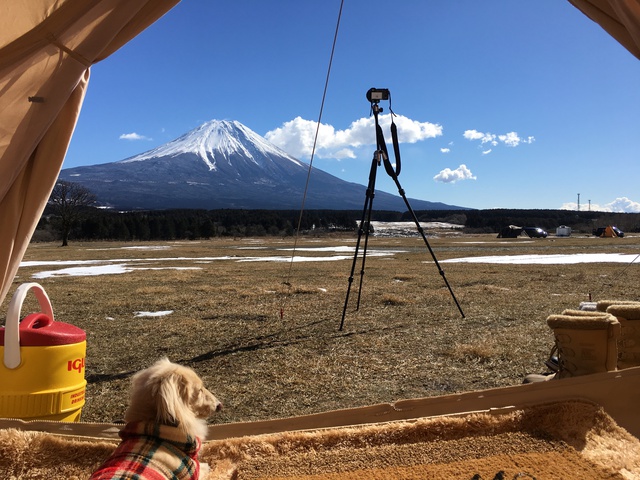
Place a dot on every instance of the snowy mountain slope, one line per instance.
(216, 141)
(224, 164)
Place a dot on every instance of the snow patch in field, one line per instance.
(139, 247)
(342, 248)
(112, 269)
(160, 313)
(80, 268)
(84, 268)
(558, 259)
(408, 229)
(294, 259)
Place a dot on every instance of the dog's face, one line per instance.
(171, 394)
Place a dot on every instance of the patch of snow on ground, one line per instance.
(294, 259)
(558, 259)
(321, 249)
(41, 263)
(141, 247)
(120, 266)
(161, 313)
(150, 247)
(498, 242)
(344, 249)
(404, 229)
(114, 269)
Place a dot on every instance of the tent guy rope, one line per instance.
(287, 280)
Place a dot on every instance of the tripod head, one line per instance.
(375, 96)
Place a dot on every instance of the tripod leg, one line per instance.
(364, 251)
(353, 265)
(368, 202)
(424, 237)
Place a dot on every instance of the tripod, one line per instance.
(381, 156)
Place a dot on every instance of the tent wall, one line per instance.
(620, 18)
(46, 50)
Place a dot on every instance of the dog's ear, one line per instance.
(170, 401)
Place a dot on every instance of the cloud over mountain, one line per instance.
(297, 136)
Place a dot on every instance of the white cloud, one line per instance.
(511, 139)
(296, 137)
(445, 150)
(451, 176)
(486, 152)
(133, 136)
(483, 137)
(344, 153)
(619, 205)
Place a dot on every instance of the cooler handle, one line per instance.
(12, 329)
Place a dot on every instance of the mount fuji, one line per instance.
(224, 164)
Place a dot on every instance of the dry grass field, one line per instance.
(407, 340)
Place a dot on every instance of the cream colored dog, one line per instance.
(166, 424)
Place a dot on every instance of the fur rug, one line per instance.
(561, 440)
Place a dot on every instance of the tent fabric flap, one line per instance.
(46, 50)
(619, 18)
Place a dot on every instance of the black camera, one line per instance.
(374, 95)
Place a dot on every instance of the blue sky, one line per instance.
(500, 103)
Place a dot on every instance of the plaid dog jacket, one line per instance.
(152, 452)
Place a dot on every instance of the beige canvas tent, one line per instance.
(46, 50)
(620, 18)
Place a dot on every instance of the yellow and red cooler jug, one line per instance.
(42, 369)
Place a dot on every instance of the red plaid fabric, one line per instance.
(152, 452)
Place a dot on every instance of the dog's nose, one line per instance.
(218, 407)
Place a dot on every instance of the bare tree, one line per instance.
(68, 201)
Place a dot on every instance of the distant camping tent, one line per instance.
(512, 231)
(609, 232)
(46, 49)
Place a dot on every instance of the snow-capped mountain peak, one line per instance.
(215, 141)
(222, 164)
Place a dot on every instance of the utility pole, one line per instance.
(578, 202)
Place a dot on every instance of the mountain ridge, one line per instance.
(224, 164)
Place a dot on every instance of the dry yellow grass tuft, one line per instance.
(265, 335)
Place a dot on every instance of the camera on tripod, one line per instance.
(374, 95)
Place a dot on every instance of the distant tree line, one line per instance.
(71, 214)
(493, 220)
(99, 224)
